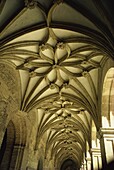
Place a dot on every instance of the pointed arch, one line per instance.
(107, 99)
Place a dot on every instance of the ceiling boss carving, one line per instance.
(53, 58)
(61, 108)
(57, 63)
(30, 3)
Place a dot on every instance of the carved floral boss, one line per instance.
(56, 63)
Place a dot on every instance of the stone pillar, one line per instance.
(82, 167)
(96, 158)
(32, 161)
(85, 164)
(25, 159)
(91, 160)
(88, 163)
(46, 165)
(106, 136)
(17, 157)
(51, 164)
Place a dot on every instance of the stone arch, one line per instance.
(107, 99)
(68, 164)
(10, 94)
(20, 141)
(40, 164)
(7, 146)
(13, 144)
(94, 142)
(107, 130)
(88, 158)
(95, 152)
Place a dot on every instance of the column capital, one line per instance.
(99, 134)
(105, 132)
(21, 113)
(96, 151)
(88, 159)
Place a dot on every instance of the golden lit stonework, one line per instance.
(57, 63)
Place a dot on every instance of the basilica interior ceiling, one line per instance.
(59, 49)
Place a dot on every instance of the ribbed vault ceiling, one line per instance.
(59, 49)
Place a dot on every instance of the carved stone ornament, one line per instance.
(99, 134)
(30, 3)
(58, 1)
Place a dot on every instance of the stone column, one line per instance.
(106, 136)
(96, 158)
(88, 163)
(82, 167)
(17, 157)
(51, 164)
(46, 164)
(91, 160)
(85, 164)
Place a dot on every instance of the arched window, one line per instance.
(12, 149)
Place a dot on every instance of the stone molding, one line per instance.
(105, 133)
